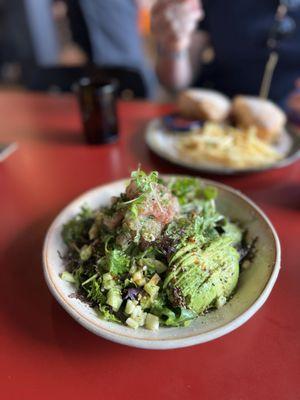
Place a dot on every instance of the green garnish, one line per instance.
(143, 181)
(161, 254)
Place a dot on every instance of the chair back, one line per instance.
(130, 81)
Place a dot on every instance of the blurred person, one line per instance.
(237, 32)
(16, 49)
(70, 53)
(43, 31)
(50, 33)
(42, 38)
(114, 36)
(27, 39)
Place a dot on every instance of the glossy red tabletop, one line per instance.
(44, 353)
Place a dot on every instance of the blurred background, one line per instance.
(47, 45)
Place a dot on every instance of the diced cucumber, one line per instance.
(152, 322)
(132, 323)
(155, 279)
(68, 277)
(151, 289)
(107, 281)
(139, 278)
(130, 306)
(137, 314)
(85, 252)
(141, 319)
(114, 298)
(137, 311)
(146, 301)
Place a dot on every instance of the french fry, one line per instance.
(227, 146)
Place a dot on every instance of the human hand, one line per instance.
(174, 21)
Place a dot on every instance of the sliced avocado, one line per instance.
(199, 278)
(220, 283)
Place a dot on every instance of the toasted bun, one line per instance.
(203, 104)
(268, 118)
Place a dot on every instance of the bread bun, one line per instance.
(268, 118)
(203, 104)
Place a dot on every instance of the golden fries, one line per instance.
(227, 146)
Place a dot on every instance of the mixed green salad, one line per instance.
(159, 255)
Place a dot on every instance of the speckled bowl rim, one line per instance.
(171, 342)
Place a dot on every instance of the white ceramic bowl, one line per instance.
(255, 283)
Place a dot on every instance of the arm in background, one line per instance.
(179, 44)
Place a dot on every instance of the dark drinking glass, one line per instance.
(97, 100)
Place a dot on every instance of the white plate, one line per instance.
(254, 286)
(163, 143)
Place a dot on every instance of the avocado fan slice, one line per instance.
(198, 278)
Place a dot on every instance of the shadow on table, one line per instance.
(27, 305)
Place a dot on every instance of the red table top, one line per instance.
(44, 353)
